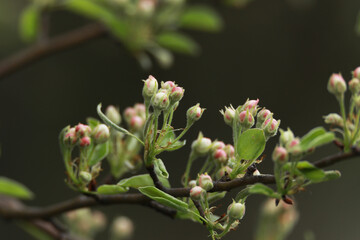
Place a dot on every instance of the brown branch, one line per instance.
(11, 210)
(51, 46)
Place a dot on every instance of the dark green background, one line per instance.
(270, 50)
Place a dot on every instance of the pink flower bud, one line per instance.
(334, 119)
(250, 105)
(85, 141)
(168, 85)
(150, 88)
(356, 73)
(229, 115)
(280, 155)
(197, 193)
(270, 127)
(262, 116)
(201, 145)
(194, 114)
(176, 94)
(192, 183)
(136, 123)
(101, 133)
(205, 182)
(113, 114)
(224, 170)
(354, 85)
(286, 137)
(293, 147)
(336, 85)
(236, 211)
(160, 101)
(220, 156)
(246, 119)
(82, 130)
(129, 113)
(217, 145)
(70, 137)
(230, 151)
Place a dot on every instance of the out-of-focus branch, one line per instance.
(13, 211)
(49, 47)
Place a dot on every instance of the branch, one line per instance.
(25, 212)
(52, 46)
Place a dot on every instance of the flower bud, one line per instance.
(85, 177)
(223, 171)
(150, 88)
(197, 193)
(280, 155)
(101, 133)
(217, 145)
(270, 127)
(82, 130)
(176, 94)
(129, 112)
(251, 105)
(356, 73)
(246, 119)
(354, 85)
(335, 119)
(236, 211)
(122, 228)
(220, 156)
(205, 182)
(336, 85)
(286, 136)
(113, 114)
(194, 114)
(357, 102)
(192, 183)
(85, 141)
(136, 123)
(201, 145)
(229, 115)
(160, 101)
(168, 85)
(230, 151)
(293, 147)
(70, 138)
(140, 110)
(262, 116)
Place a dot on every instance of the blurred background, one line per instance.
(279, 51)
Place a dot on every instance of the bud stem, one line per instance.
(69, 168)
(346, 132)
(191, 159)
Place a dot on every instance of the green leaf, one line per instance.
(315, 138)
(177, 42)
(215, 196)
(160, 168)
(188, 215)
(262, 189)
(92, 122)
(141, 181)
(33, 231)
(90, 9)
(164, 198)
(12, 188)
(113, 125)
(29, 22)
(63, 147)
(311, 172)
(99, 153)
(111, 189)
(251, 144)
(201, 18)
(331, 175)
(167, 144)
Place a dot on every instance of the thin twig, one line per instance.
(51, 46)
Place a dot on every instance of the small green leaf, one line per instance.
(188, 215)
(99, 153)
(164, 198)
(111, 189)
(312, 134)
(215, 196)
(311, 172)
(90, 9)
(315, 138)
(63, 147)
(14, 189)
(160, 168)
(167, 144)
(262, 189)
(29, 22)
(33, 231)
(92, 122)
(201, 18)
(141, 181)
(178, 42)
(251, 144)
(332, 175)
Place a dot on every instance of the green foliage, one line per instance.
(15, 189)
(111, 189)
(29, 22)
(315, 138)
(201, 18)
(178, 42)
(142, 180)
(251, 144)
(99, 152)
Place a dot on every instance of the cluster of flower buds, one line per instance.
(135, 117)
(334, 119)
(289, 144)
(82, 135)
